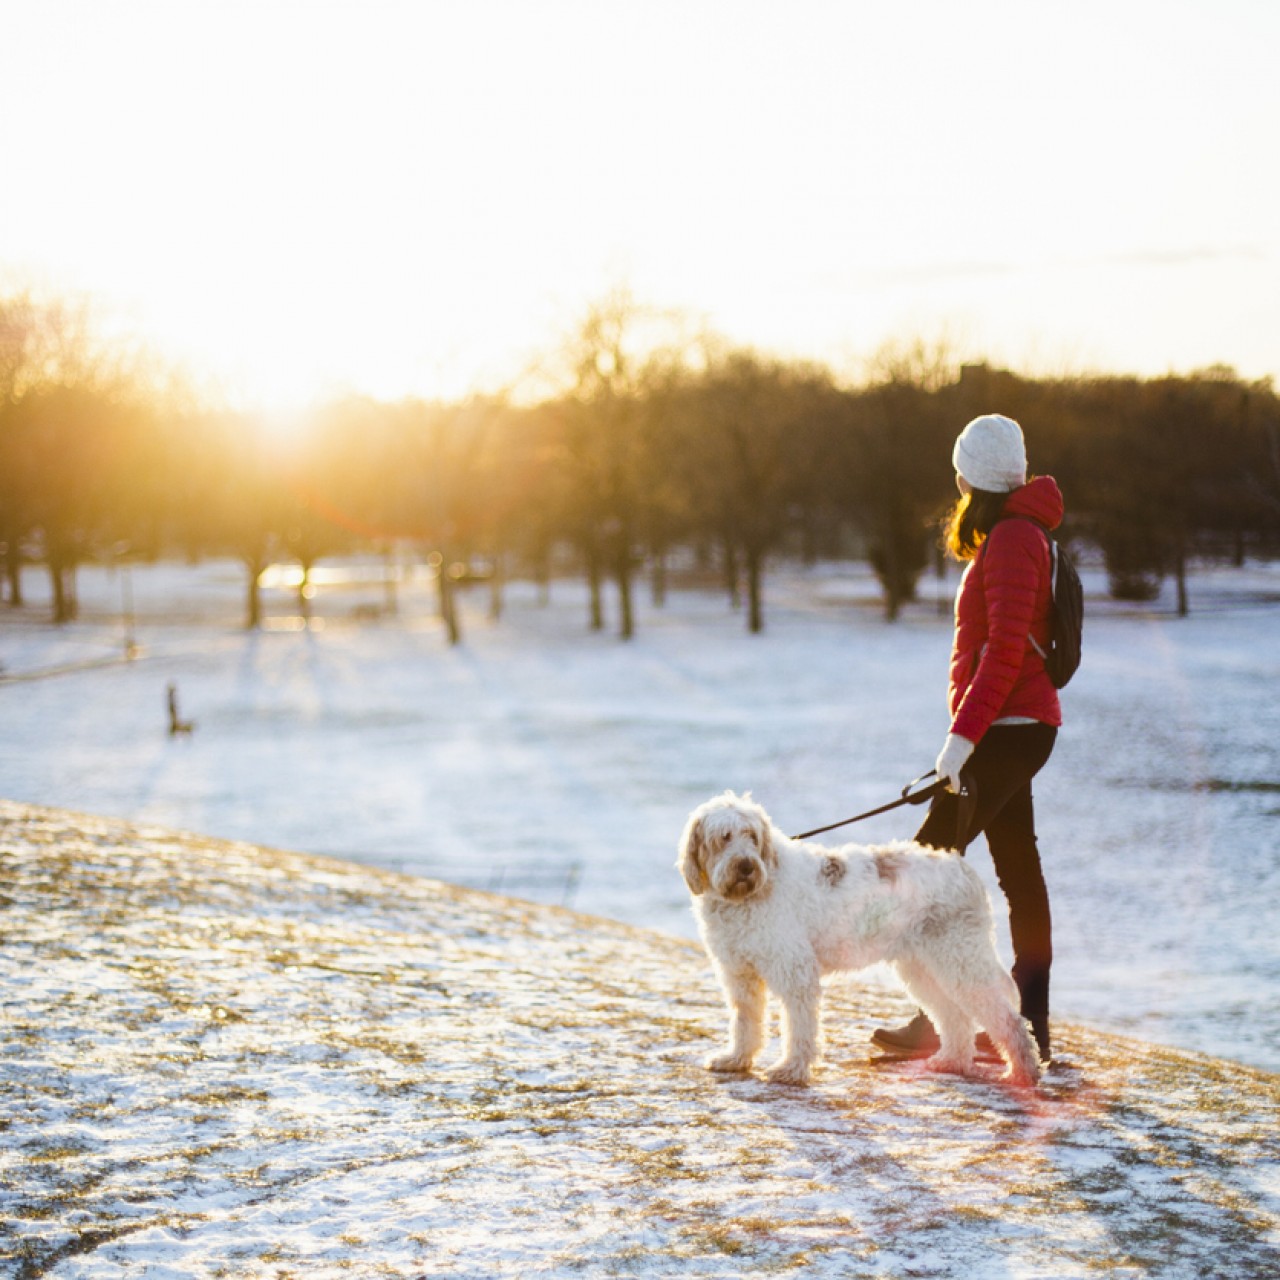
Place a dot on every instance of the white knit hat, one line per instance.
(991, 455)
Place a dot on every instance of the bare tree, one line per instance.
(889, 464)
(753, 439)
(606, 419)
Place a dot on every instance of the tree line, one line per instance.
(637, 451)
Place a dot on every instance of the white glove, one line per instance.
(952, 758)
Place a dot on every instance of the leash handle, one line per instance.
(926, 793)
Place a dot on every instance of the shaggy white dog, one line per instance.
(776, 914)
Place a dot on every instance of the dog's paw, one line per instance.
(950, 1064)
(728, 1063)
(792, 1073)
(1020, 1079)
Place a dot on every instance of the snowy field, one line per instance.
(546, 762)
(218, 1061)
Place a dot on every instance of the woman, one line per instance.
(1004, 708)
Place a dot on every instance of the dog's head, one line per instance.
(727, 848)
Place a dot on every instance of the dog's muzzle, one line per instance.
(743, 878)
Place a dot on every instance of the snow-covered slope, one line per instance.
(218, 1060)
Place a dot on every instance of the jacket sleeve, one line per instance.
(1013, 563)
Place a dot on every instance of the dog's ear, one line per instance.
(767, 852)
(692, 853)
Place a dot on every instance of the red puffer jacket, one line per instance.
(1004, 597)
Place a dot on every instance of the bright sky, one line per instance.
(422, 197)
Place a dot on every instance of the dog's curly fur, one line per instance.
(776, 914)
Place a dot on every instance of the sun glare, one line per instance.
(424, 222)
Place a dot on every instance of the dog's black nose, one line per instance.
(744, 866)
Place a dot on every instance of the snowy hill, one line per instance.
(220, 1060)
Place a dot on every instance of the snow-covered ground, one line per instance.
(224, 1063)
(546, 762)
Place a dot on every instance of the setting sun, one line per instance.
(418, 199)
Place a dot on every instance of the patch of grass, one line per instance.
(403, 1051)
(34, 1212)
(667, 1164)
(227, 1096)
(56, 1153)
(715, 1237)
(39, 1262)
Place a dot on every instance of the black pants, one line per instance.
(1001, 768)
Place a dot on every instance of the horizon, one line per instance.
(412, 200)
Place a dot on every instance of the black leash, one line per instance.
(908, 797)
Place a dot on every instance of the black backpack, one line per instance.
(1066, 618)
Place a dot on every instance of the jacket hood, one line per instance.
(1041, 499)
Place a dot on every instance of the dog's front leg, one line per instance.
(745, 991)
(801, 997)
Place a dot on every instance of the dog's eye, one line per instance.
(751, 835)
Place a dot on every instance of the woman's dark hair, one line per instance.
(970, 520)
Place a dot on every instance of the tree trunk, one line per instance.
(891, 580)
(626, 621)
(731, 572)
(448, 603)
(658, 580)
(304, 592)
(755, 592)
(13, 573)
(497, 581)
(594, 585)
(62, 578)
(1180, 573)
(390, 579)
(63, 610)
(623, 569)
(253, 596)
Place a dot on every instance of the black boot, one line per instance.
(1040, 1033)
(1034, 989)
